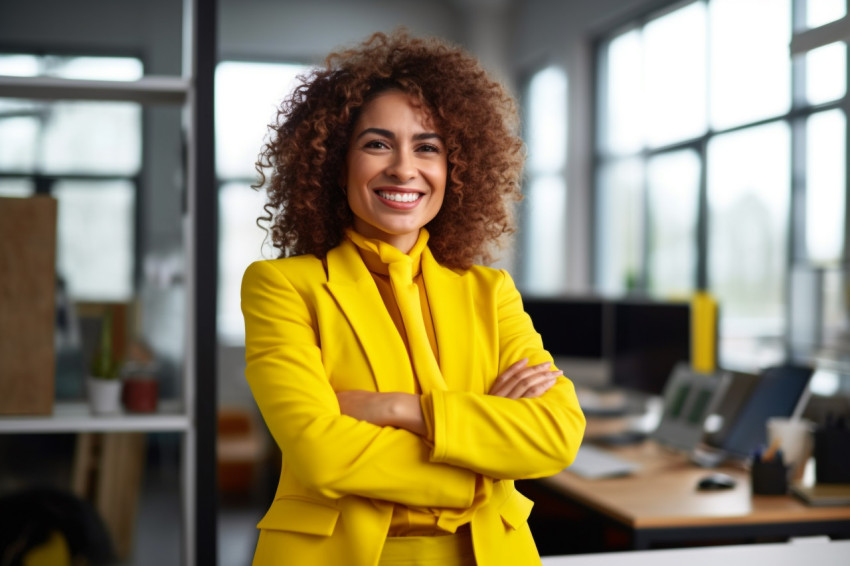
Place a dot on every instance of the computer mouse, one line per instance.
(715, 482)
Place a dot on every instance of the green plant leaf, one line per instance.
(104, 365)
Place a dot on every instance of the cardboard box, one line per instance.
(27, 305)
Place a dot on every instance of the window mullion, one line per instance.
(702, 281)
(845, 106)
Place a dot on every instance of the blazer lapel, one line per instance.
(354, 290)
(450, 300)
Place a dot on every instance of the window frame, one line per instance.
(798, 113)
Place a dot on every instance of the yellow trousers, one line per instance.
(446, 550)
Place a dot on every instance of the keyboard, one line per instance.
(593, 462)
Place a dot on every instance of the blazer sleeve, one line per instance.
(331, 453)
(509, 438)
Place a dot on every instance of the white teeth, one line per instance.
(399, 197)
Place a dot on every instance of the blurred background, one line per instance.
(672, 147)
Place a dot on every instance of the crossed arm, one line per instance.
(404, 410)
(527, 426)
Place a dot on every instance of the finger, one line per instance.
(512, 370)
(501, 381)
(541, 386)
(514, 375)
(541, 381)
(527, 373)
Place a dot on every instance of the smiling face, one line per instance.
(396, 170)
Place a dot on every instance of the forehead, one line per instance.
(394, 106)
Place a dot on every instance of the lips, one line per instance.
(399, 199)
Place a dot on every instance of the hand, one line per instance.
(523, 381)
(400, 410)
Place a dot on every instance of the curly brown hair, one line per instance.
(308, 142)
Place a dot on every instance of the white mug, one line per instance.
(794, 439)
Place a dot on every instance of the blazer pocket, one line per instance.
(515, 510)
(300, 516)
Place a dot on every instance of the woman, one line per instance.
(405, 385)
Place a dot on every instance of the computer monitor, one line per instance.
(629, 343)
(573, 331)
(649, 339)
(570, 327)
(689, 398)
(776, 392)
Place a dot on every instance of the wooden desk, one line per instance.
(660, 505)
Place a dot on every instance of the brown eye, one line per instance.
(376, 144)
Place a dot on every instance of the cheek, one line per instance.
(438, 177)
(439, 181)
(437, 203)
(355, 201)
(358, 169)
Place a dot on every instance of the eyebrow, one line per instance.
(391, 135)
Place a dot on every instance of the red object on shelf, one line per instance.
(140, 394)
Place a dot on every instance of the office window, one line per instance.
(826, 73)
(86, 154)
(20, 188)
(62, 138)
(674, 46)
(247, 96)
(738, 95)
(826, 134)
(622, 129)
(18, 138)
(241, 241)
(748, 203)
(620, 225)
(673, 198)
(95, 238)
(821, 12)
(544, 232)
(695, 182)
(71, 67)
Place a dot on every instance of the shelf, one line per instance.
(150, 89)
(71, 417)
(194, 416)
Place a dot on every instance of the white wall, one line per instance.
(307, 31)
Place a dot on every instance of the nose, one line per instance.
(402, 166)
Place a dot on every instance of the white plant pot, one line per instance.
(104, 395)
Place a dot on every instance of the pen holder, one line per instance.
(769, 478)
(832, 455)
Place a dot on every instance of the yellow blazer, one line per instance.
(312, 330)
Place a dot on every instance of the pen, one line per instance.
(772, 450)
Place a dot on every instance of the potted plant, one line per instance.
(103, 383)
(141, 389)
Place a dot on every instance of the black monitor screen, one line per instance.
(776, 394)
(649, 339)
(569, 327)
